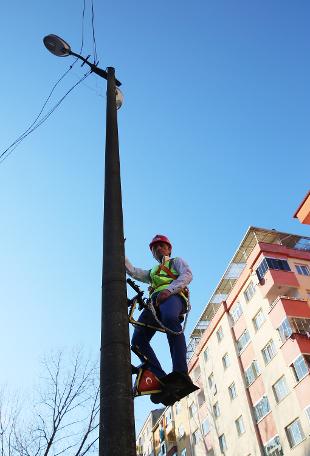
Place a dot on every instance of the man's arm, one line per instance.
(139, 274)
(184, 278)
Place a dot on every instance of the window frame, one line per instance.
(206, 354)
(181, 434)
(254, 366)
(285, 330)
(249, 292)
(222, 443)
(232, 390)
(289, 433)
(285, 389)
(216, 409)
(238, 427)
(276, 440)
(270, 263)
(208, 427)
(226, 365)
(259, 417)
(240, 349)
(236, 312)
(299, 267)
(295, 370)
(261, 322)
(273, 352)
(220, 334)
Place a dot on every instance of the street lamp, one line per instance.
(116, 423)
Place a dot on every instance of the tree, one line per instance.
(65, 416)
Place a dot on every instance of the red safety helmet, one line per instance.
(160, 238)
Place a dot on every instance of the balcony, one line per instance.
(285, 306)
(277, 282)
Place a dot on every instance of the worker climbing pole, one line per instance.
(165, 310)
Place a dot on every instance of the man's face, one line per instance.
(159, 250)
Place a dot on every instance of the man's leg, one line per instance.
(170, 311)
(140, 343)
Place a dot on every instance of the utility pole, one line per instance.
(117, 432)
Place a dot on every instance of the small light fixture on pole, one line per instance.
(116, 423)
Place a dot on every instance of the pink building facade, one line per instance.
(250, 352)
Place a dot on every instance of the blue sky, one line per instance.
(214, 137)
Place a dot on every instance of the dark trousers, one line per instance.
(169, 313)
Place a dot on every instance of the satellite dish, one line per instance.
(57, 45)
(119, 98)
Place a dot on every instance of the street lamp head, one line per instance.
(57, 45)
(119, 98)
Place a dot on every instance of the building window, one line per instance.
(216, 410)
(196, 373)
(168, 416)
(280, 389)
(273, 447)
(271, 263)
(192, 409)
(181, 431)
(261, 408)
(302, 269)
(212, 384)
(196, 437)
(163, 449)
(222, 442)
(178, 408)
(219, 334)
(251, 373)
(300, 325)
(307, 411)
(232, 391)
(236, 312)
(301, 366)
(258, 320)
(205, 426)
(206, 354)
(249, 292)
(240, 425)
(269, 351)
(226, 361)
(201, 397)
(294, 433)
(285, 330)
(243, 340)
(183, 452)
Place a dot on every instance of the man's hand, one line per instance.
(162, 296)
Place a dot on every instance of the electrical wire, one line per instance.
(34, 126)
(93, 30)
(83, 18)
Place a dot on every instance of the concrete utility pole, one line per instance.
(116, 426)
(117, 433)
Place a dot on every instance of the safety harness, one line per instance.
(148, 303)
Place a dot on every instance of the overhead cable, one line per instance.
(4, 155)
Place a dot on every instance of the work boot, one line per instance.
(146, 383)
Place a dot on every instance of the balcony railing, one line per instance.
(278, 298)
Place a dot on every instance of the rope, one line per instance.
(151, 307)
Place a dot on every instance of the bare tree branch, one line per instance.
(65, 415)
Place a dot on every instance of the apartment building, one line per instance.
(250, 354)
(145, 438)
(250, 351)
